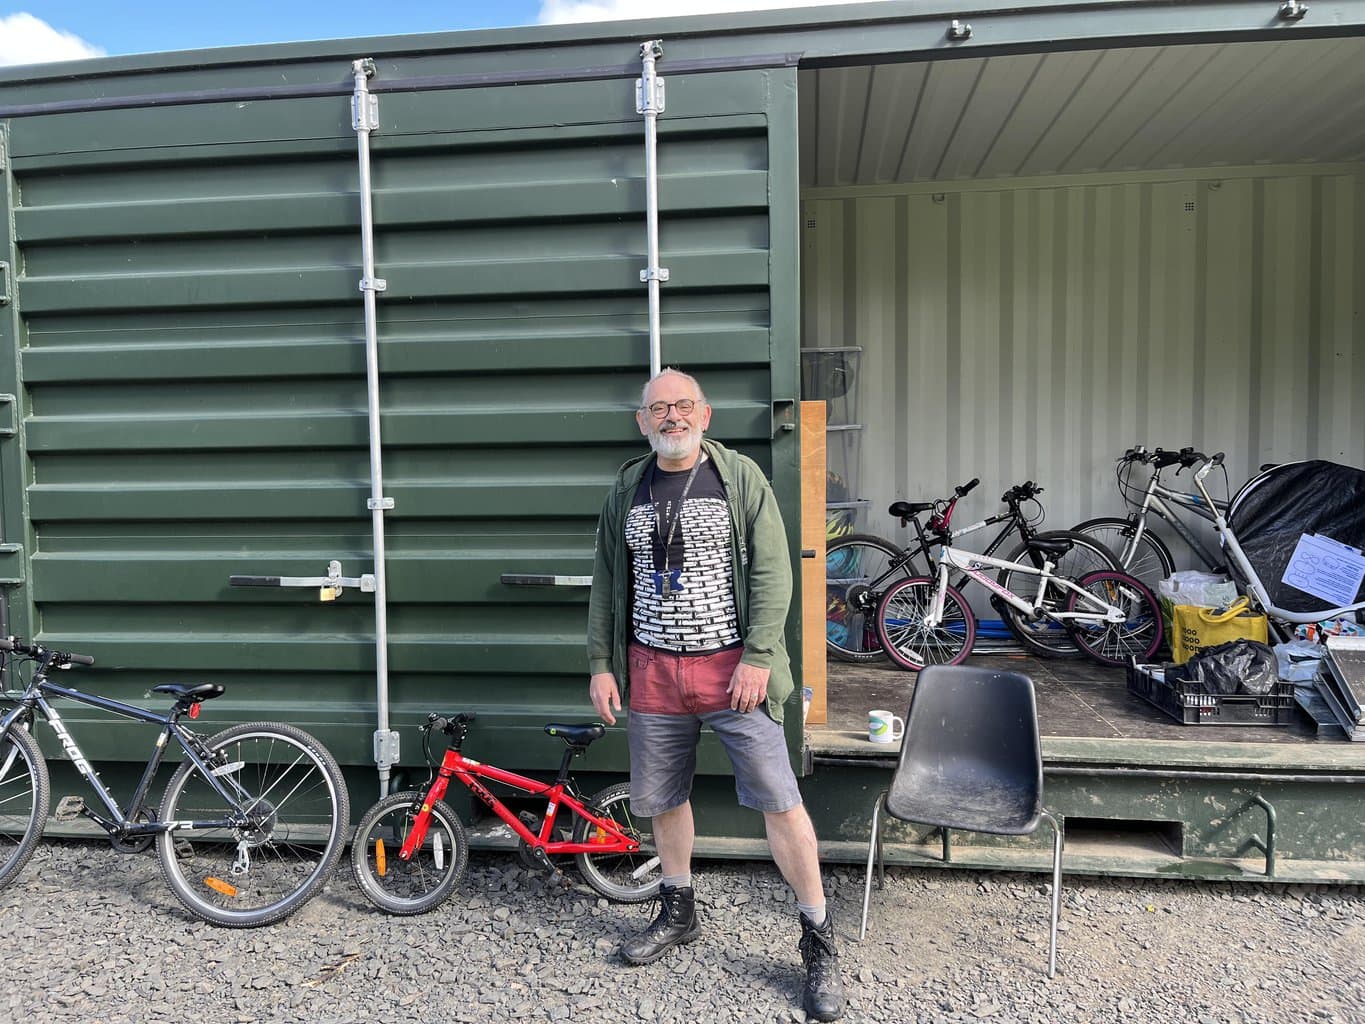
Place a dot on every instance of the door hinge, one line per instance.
(11, 577)
(4, 283)
(9, 420)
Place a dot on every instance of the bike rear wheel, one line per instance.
(437, 865)
(622, 877)
(1042, 636)
(912, 644)
(24, 798)
(1149, 561)
(854, 567)
(1116, 643)
(259, 854)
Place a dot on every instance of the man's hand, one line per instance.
(748, 687)
(605, 696)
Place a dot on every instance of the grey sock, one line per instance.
(814, 912)
(676, 881)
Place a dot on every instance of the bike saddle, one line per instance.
(1050, 545)
(906, 509)
(204, 691)
(577, 735)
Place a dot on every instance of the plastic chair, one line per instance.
(970, 760)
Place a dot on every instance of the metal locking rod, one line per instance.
(649, 101)
(330, 586)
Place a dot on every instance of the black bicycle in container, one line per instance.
(252, 821)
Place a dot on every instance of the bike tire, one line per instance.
(422, 883)
(620, 877)
(1044, 637)
(1137, 637)
(24, 801)
(1150, 562)
(290, 812)
(852, 564)
(908, 641)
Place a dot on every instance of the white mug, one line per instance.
(881, 727)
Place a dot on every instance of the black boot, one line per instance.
(676, 924)
(823, 996)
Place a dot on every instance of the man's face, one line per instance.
(674, 435)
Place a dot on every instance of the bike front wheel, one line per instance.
(622, 877)
(262, 829)
(909, 641)
(1149, 561)
(857, 571)
(1043, 636)
(24, 797)
(1116, 643)
(408, 886)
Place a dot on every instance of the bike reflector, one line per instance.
(194, 710)
(381, 860)
(218, 885)
(438, 851)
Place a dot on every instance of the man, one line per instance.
(690, 590)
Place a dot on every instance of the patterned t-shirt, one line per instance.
(683, 599)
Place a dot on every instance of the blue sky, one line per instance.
(33, 31)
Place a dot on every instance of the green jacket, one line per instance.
(762, 568)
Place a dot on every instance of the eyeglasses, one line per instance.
(660, 409)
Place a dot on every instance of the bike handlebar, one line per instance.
(1026, 491)
(449, 725)
(17, 645)
(964, 489)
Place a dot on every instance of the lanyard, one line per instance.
(676, 517)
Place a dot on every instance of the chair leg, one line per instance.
(874, 853)
(1056, 893)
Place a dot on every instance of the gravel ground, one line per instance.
(97, 936)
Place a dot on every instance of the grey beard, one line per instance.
(670, 448)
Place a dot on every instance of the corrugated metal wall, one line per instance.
(192, 381)
(1037, 331)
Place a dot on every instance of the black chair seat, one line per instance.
(1054, 546)
(577, 735)
(203, 691)
(985, 805)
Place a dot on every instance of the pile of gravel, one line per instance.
(96, 935)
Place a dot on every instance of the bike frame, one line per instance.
(1155, 499)
(119, 822)
(608, 837)
(1249, 575)
(972, 564)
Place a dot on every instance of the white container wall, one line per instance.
(1037, 329)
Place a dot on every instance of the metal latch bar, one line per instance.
(532, 579)
(18, 578)
(4, 283)
(330, 586)
(11, 426)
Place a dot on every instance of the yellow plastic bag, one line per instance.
(1194, 627)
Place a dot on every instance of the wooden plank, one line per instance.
(813, 569)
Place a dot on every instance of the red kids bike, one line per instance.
(410, 849)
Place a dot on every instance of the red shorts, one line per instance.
(663, 683)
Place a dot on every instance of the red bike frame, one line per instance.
(606, 837)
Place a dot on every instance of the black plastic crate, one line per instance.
(1273, 708)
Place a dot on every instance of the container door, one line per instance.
(188, 332)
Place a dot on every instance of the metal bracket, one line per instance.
(329, 587)
(386, 744)
(379, 504)
(4, 281)
(373, 284)
(652, 103)
(11, 426)
(365, 115)
(959, 31)
(1292, 10)
(531, 579)
(17, 579)
(654, 274)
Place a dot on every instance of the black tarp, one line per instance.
(1275, 508)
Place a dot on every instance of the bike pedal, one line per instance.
(69, 807)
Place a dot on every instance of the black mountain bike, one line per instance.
(252, 821)
(860, 568)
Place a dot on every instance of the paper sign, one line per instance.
(1325, 568)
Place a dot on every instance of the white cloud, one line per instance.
(25, 39)
(559, 12)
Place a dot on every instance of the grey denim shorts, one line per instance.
(663, 760)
